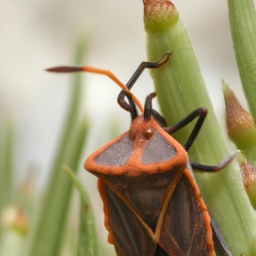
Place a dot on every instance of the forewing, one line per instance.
(183, 230)
(130, 236)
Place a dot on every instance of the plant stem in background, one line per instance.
(6, 165)
(242, 19)
(48, 234)
(180, 89)
(88, 244)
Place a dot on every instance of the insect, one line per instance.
(152, 204)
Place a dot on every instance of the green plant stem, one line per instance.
(48, 234)
(6, 165)
(180, 89)
(88, 244)
(54, 212)
(242, 19)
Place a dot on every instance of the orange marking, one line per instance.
(116, 80)
(134, 167)
(105, 210)
(168, 196)
(206, 216)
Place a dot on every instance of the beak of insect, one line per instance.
(148, 106)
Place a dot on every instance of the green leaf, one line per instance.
(48, 234)
(88, 244)
(242, 19)
(180, 89)
(6, 165)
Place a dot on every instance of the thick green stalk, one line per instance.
(242, 19)
(88, 244)
(180, 89)
(48, 234)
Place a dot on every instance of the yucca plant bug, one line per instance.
(152, 204)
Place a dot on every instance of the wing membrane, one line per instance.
(183, 230)
(129, 235)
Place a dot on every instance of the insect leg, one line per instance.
(146, 64)
(218, 238)
(148, 106)
(148, 111)
(121, 101)
(216, 168)
(201, 112)
(160, 119)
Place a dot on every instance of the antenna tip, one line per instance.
(64, 69)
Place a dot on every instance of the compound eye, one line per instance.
(132, 135)
(147, 133)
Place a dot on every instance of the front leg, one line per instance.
(215, 168)
(201, 112)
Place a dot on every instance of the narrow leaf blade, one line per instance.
(88, 244)
(47, 237)
(242, 19)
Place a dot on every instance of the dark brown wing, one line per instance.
(183, 230)
(130, 236)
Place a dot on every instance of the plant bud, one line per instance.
(240, 125)
(159, 15)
